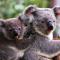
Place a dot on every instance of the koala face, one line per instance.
(42, 19)
(11, 29)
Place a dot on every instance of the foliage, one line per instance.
(40, 3)
(11, 8)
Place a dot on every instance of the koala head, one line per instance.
(11, 29)
(42, 19)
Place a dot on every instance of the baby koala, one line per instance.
(42, 22)
(11, 32)
(15, 38)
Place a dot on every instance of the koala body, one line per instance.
(43, 23)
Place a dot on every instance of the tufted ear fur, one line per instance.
(27, 15)
(2, 23)
(56, 10)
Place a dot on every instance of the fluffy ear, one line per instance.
(56, 10)
(30, 9)
(27, 15)
(2, 23)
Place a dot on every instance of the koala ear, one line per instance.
(2, 23)
(56, 10)
(27, 15)
(30, 9)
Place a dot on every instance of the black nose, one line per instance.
(50, 26)
(15, 33)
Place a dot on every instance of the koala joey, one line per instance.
(15, 38)
(11, 33)
(43, 22)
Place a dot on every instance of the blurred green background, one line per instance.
(12, 8)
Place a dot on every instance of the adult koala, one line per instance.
(11, 33)
(42, 22)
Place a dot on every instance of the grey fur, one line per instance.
(43, 48)
(14, 39)
(11, 31)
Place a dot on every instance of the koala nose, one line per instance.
(15, 33)
(50, 26)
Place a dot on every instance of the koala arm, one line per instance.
(32, 55)
(47, 50)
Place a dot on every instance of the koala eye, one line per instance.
(25, 24)
(53, 21)
(49, 21)
(42, 21)
(10, 29)
(19, 28)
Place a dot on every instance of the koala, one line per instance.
(56, 33)
(42, 22)
(11, 34)
(15, 38)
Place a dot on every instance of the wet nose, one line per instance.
(49, 25)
